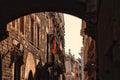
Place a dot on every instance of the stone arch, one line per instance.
(84, 9)
(17, 9)
(30, 65)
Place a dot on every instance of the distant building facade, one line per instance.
(27, 47)
(77, 69)
(72, 67)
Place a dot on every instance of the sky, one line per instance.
(73, 40)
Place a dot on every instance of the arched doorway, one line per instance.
(30, 66)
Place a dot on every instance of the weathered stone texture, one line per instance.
(88, 55)
(30, 32)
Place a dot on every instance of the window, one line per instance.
(22, 25)
(38, 36)
(32, 30)
(13, 23)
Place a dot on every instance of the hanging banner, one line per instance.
(54, 46)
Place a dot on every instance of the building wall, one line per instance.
(30, 32)
(69, 66)
(73, 67)
(88, 55)
(56, 46)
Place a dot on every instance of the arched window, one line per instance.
(32, 30)
(22, 25)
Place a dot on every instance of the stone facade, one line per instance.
(69, 66)
(77, 69)
(27, 44)
(88, 56)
